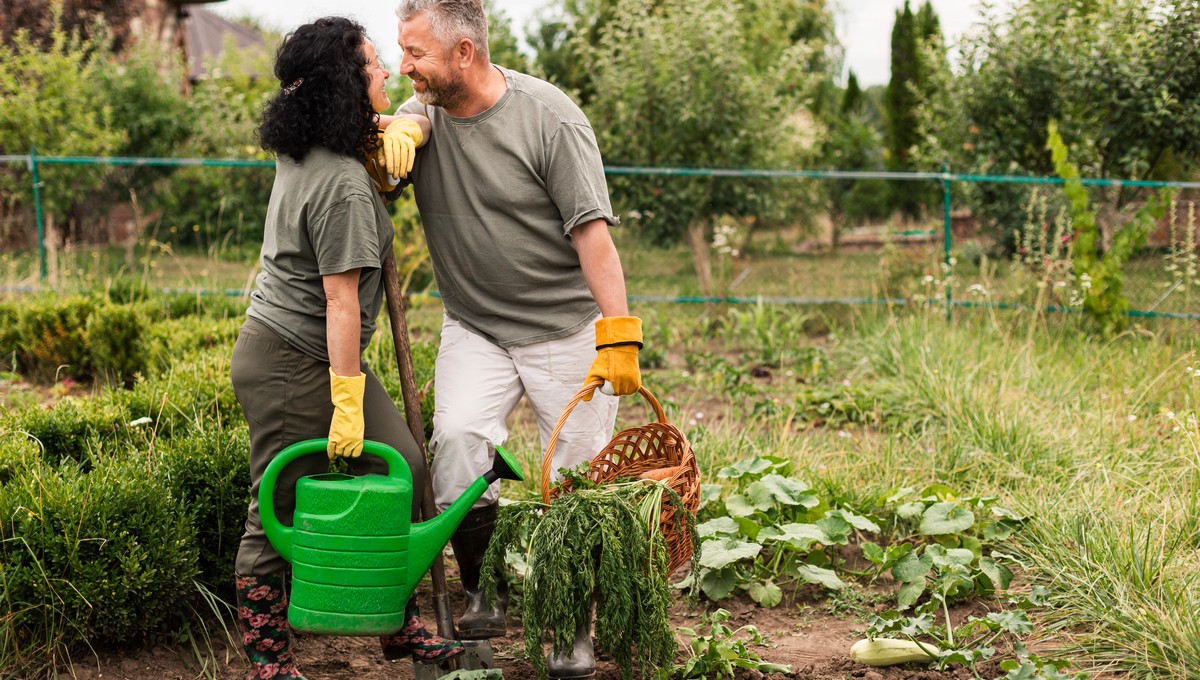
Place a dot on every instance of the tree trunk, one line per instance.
(755, 224)
(697, 238)
(51, 245)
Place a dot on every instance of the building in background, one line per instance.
(188, 29)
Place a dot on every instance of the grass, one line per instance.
(1097, 439)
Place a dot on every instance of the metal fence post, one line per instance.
(37, 209)
(946, 236)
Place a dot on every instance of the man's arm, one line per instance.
(618, 335)
(402, 136)
(601, 266)
(422, 121)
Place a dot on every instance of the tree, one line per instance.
(142, 90)
(569, 31)
(674, 87)
(566, 32)
(853, 142)
(852, 98)
(915, 42)
(1121, 77)
(40, 19)
(208, 205)
(502, 42)
(902, 89)
(36, 86)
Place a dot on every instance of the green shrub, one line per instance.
(210, 472)
(185, 336)
(194, 393)
(100, 558)
(18, 452)
(115, 340)
(9, 337)
(382, 358)
(211, 306)
(52, 335)
(119, 342)
(72, 429)
(124, 290)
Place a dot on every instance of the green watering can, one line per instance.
(356, 556)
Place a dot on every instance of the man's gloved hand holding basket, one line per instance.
(654, 451)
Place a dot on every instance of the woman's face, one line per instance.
(377, 75)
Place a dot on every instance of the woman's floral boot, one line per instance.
(413, 640)
(266, 637)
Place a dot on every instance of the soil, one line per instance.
(805, 633)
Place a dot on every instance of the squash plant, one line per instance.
(720, 653)
(773, 530)
(971, 642)
(944, 545)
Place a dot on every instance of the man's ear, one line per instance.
(465, 53)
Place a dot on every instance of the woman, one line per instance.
(297, 364)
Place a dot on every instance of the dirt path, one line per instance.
(804, 635)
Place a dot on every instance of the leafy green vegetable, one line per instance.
(598, 543)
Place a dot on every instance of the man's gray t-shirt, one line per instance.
(498, 194)
(324, 218)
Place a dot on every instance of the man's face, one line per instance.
(436, 77)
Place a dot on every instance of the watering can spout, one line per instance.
(429, 537)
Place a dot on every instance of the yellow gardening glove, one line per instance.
(618, 339)
(375, 168)
(346, 430)
(400, 142)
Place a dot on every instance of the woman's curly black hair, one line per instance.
(331, 106)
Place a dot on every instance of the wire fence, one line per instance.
(948, 260)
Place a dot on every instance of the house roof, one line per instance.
(206, 33)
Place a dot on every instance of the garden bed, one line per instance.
(806, 635)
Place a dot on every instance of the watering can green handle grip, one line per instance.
(280, 535)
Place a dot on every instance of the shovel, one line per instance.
(478, 653)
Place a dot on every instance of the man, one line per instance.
(516, 212)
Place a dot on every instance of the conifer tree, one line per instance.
(852, 98)
(901, 102)
(911, 83)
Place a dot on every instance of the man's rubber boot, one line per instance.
(580, 660)
(266, 636)
(470, 542)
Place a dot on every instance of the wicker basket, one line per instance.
(633, 451)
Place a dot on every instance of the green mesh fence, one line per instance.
(980, 241)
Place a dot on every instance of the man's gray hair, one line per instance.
(451, 20)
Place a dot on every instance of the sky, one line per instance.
(864, 26)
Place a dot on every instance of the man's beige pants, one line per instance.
(478, 384)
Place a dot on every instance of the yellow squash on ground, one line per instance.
(883, 652)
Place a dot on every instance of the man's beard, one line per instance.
(448, 93)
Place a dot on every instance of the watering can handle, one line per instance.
(281, 535)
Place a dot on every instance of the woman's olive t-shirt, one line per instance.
(324, 217)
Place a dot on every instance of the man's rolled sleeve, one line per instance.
(575, 177)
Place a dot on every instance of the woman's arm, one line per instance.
(347, 383)
(343, 325)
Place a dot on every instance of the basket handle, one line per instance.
(588, 388)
